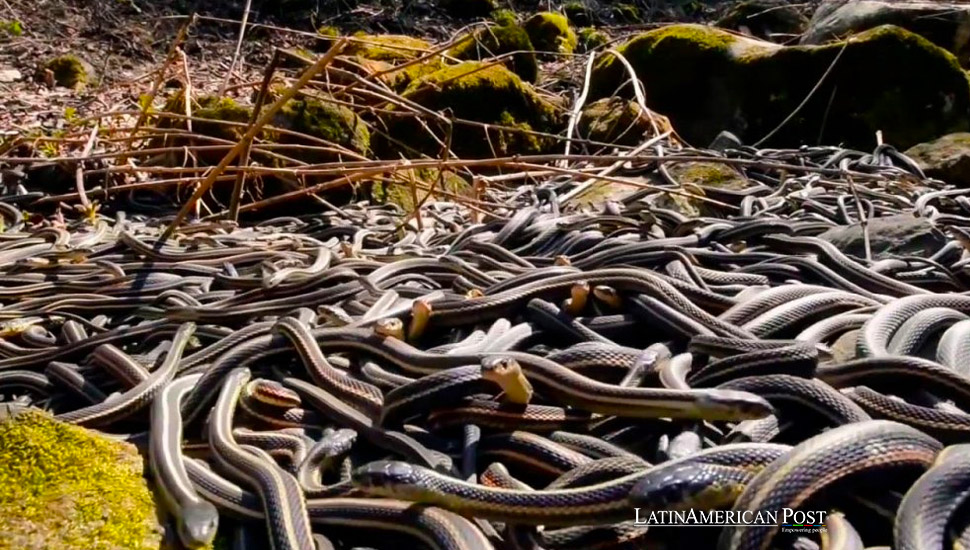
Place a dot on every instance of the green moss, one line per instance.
(326, 36)
(401, 193)
(221, 109)
(395, 49)
(12, 28)
(69, 71)
(503, 17)
(387, 47)
(500, 40)
(62, 487)
(590, 39)
(626, 13)
(490, 94)
(577, 13)
(329, 121)
(614, 120)
(550, 32)
(713, 80)
(707, 174)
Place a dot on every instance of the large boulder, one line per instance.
(509, 109)
(313, 116)
(946, 158)
(946, 24)
(63, 487)
(500, 40)
(708, 80)
(896, 235)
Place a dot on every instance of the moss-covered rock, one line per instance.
(325, 120)
(614, 120)
(550, 32)
(888, 237)
(489, 94)
(765, 19)
(63, 487)
(387, 47)
(946, 158)
(402, 193)
(500, 40)
(707, 80)
(715, 175)
(394, 50)
(311, 116)
(69, 71)
(209, 113)
(589, 39)
(626, 13)
(503, 17)
(577, 13)
(217, 109)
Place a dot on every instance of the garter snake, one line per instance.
(605, 502)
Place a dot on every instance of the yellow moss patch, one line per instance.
(550, 32)
(387, 47)
(708, 174)
(503, 17)
(69, 71)
(62, 487)
(328, 31)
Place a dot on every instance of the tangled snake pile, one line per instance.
(539, 380)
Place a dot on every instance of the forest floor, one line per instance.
(126, 42)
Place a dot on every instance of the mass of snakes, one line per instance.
(544, 374)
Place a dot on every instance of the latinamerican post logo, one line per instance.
(788, 519)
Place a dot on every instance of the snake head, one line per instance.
(733, 405)
(689, 485)
(197, 525)
(13, 327)
(386, 477)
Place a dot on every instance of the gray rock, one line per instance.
(946, 158)
(10, 75)
(775, 20)
(946, 24)
(898, 235)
